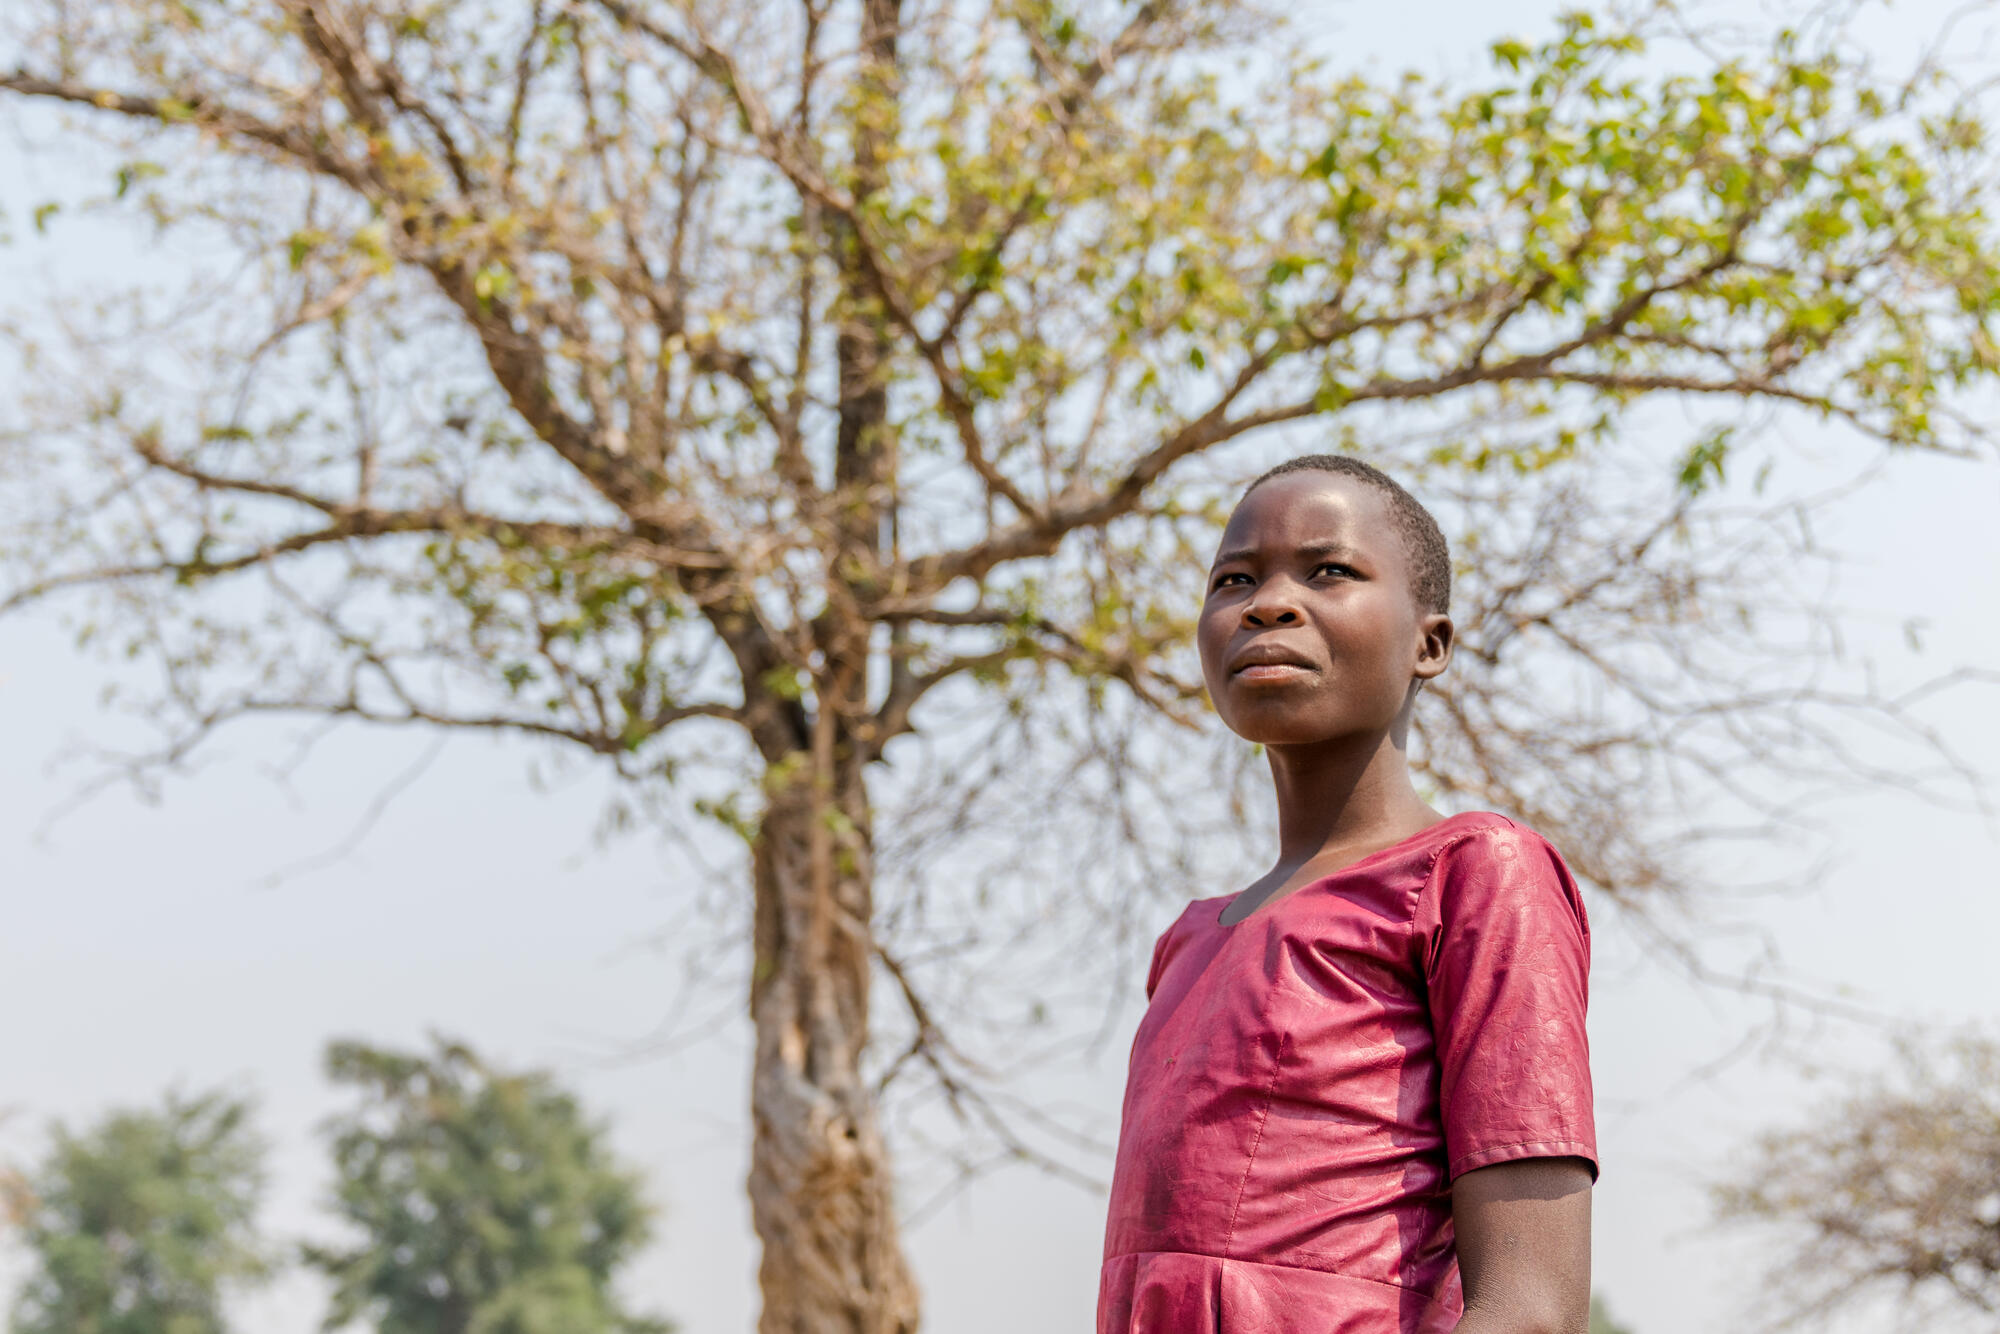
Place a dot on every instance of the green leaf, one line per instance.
(132, 173)
(1702, 465)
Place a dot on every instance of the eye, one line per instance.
(1224, 580)
(1337, 569)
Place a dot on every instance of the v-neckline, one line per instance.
(1271, 902)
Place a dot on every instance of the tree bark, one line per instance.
(821, 1190)
(821, 1194)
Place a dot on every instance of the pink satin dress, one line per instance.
(1306, 1084)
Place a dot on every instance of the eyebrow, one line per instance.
(1328, 547)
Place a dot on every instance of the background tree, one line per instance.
(1600, 1318)
(728, 391)
(487, 1203)
(15, 1198)
(142, 1223)
(1893, 1191)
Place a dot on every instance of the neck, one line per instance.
(1348, 793)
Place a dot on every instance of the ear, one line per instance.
(1436, 637)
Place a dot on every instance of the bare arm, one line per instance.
(1524, 1246)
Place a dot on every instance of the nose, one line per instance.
(1272, 604)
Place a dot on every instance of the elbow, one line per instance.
(1527, 1318)
(1555, 1318)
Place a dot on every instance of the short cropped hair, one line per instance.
(1423, 540)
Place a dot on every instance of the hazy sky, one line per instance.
(141, 948)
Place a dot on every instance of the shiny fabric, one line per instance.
(1305, 1085)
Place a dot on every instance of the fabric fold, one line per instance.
(1175, 1292)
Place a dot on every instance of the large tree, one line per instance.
(757, 384)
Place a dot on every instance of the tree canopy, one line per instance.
(142, 1223)
(486, 1202)
(1892, 1190)
(520, 390)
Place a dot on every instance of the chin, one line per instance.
(1275, 721)
(1271, 724)
(1266, 736)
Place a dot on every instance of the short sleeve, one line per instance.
(1507, 963)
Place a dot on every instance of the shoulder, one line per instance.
(1177, 933)
(1477, 837)
(1492, 863)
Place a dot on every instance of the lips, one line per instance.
(1269, 662)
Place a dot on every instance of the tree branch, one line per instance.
(200, 112)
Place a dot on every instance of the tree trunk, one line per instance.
(821, 1195)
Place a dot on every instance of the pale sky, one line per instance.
(140, 948)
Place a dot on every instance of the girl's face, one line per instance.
(1309, 631)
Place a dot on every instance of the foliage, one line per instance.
(139, 1224)
(1894, 1189)
(487, 1203)
(1600, 1318)
(524, 401)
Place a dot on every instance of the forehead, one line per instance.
(1309, 507)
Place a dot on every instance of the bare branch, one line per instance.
(289, 145)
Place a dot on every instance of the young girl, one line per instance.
(1359, 1101)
